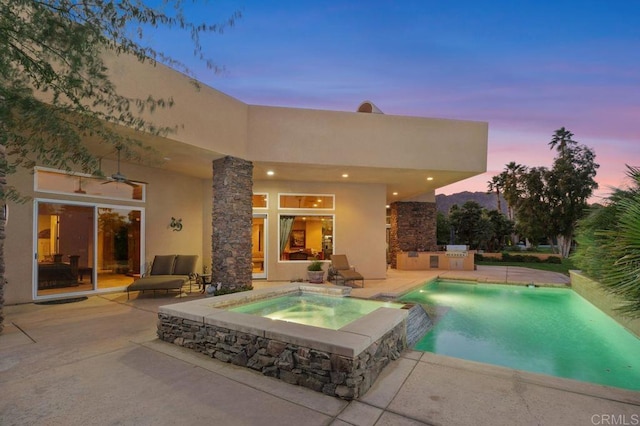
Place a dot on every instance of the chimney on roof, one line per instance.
(369, 107)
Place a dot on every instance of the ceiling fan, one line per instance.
(118, 177)
(80, 190)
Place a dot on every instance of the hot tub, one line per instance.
(343, 362)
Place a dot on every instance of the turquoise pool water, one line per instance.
(331, 312)
(543, 330)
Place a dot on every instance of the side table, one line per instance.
(204, 280)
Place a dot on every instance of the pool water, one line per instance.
(316, 310)
(543, 330)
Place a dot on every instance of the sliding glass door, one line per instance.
(83, 247)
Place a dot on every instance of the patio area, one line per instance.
(98, 362)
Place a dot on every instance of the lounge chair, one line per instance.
(343, 270)
(168, 272)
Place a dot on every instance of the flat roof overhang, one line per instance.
(298, 144)
(195, 161)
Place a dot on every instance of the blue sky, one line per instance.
(525, 67)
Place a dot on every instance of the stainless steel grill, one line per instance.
(454, 250)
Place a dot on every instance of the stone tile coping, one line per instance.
(350, 340)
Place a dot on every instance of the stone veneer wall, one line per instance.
(325, 372)
(232, 217)
(413, 228)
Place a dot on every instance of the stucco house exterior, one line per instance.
(309, 182)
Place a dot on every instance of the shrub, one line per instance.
(226, 290)
(507, 257)
(316, 265)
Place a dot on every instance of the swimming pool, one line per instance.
(543, 330)
(332, 312)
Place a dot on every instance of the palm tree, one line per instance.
(496, 184)
(561, 139)
(609, 245)
(510, 177)
(623, 276)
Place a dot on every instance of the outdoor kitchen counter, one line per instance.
(443, 260)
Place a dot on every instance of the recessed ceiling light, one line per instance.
(345, 175)
(395, 193)
(270, 173)
(430, 178)
(387, 206)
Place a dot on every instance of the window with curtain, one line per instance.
(306, 237)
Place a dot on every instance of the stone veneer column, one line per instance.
(232, 218)
(413, 228)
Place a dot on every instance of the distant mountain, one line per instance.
(488, 201)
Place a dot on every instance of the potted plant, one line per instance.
(315, 274)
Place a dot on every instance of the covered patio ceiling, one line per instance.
(402, 184)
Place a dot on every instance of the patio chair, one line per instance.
(343, 270)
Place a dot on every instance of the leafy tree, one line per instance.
(502, 229)
(443, 229)
(471, 224)
(608, 245)
(55, 89)
(532, 207)
(548, 203)
(570, 183)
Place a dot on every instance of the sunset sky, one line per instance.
(525, 67)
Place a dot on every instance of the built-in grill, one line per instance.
(454, 250)
(457, 256)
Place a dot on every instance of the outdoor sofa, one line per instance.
(168, 272)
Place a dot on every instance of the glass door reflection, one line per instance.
(258, 250)
(118, 247)
(64, 248)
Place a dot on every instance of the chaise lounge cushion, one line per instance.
(159, 282)
(163, 265)
(168, 272)
(185, 264)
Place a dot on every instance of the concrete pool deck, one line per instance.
(99, 362)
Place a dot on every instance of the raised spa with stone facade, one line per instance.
(342, 363)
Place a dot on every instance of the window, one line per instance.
(306, 201)
(305, 237)
(84, 185)
(260, 201)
